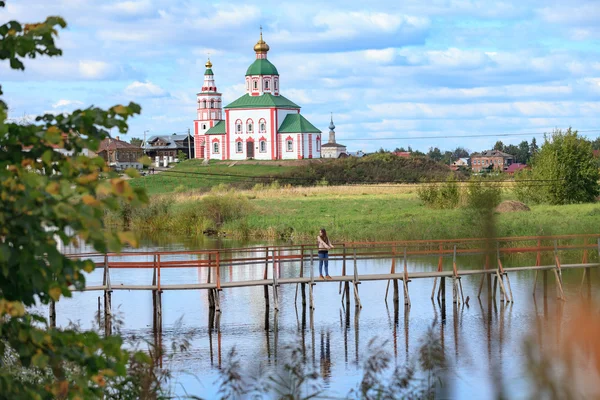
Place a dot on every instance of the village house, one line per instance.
(460, 163)
(515, 167)
(164, 149)
(120, 154)
(490, 160)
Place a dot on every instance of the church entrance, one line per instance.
(250, 149)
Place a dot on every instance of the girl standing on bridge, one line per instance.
(324, 245)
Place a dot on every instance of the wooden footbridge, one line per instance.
(493, 256)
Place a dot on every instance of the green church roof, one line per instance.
(261, 66)
(296, 123)
(265, 100)
(208, 72)
(218, 129)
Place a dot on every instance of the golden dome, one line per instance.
(261, 46)
(208, 64)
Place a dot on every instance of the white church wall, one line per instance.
(255, 115)
(285, 154)
(316, 150)
(282, 113)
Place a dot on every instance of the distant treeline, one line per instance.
(371, 169)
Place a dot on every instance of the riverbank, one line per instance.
(384, 212)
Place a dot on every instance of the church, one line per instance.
(262, 124)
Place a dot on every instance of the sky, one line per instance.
(394, 73)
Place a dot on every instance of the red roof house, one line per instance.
(512, 168)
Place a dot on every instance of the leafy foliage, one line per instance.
(563, 172)
(375, 168)
(440, 195)
(52, 193)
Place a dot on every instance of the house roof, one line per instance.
(296, 123)
(515, 167)
(116, 144)
(492, 153)
(173, 142)
(333, 145)
(404, 154)
(261, 66)
(358, 153)
(265, 100)
(218, 129)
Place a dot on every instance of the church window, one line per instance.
(255, 84)
(212, 104)
(263, 146)
(203, 126)
(203, 104)
(289, 145)
(267, 85)
(276, 81)
(318, 144)
(238, 126)
(249, 127)
(238, 147)
(216, 147)
(263, 127)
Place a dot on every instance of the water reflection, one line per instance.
(482, 342)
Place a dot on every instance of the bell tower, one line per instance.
(209, 110)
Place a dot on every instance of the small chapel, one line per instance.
(262, 124)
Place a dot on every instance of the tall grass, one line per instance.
(200, 215)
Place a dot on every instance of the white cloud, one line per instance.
(63, 103)
(95, 69)
(145, 89)
(130, 7)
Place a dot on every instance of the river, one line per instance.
(478, 340)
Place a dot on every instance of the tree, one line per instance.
(522, 155)
(563, 172)
(512, 150)
(596, 144)
(434, 153)
(459, 152)
(47, 197)
(447, 158)
(181, 156)
(399, 150)
(533, 148)
(499, 146)
(136, 141)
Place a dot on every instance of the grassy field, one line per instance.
(192, 175)
(400, 215)
(383, 212)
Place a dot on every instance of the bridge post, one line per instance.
(440, 264)
(405, 281)
(454, 278)
(107, 298)
(275, 288)
(303, 285)
(211, 296)
(356, 283)
(312, 283)
(217, 290)
(265, 276)
(558, 274)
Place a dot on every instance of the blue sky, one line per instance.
(386, 69)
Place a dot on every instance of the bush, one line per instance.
(375, 168)
(483, 195)
(563, 172)
(444, 196)
(224, 208)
